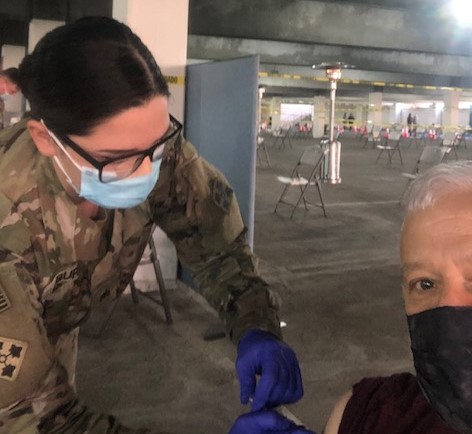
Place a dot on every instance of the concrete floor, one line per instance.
(339, 281)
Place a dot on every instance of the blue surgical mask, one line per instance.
(122, 193)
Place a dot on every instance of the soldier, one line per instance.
(83, 180)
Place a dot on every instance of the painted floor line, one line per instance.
(379, 202)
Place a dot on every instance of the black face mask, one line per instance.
(441, 342)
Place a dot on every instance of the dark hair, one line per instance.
(82, 73)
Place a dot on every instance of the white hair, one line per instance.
(437, 182)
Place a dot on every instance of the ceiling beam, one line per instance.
(368, 59)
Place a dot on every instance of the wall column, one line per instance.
(450, 119)
(375, 109)
(320, 115)
(163, 27)
(275, 112)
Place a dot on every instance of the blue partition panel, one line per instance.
(221, 121)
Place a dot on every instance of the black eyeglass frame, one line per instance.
(99, 165)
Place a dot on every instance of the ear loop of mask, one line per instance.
(58, 143)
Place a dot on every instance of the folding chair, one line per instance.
(261, 151)
(304, 175)
(392, 146)
(461, 139)
(449, 140)
(429, 157)
(149, 257)
(419, 137)
(286, 137)
(374, 136)
(361, 133)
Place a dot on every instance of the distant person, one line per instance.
(351, 119)
(414, 122)
(9, 85)
(409, 121)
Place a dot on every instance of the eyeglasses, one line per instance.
(113, 169)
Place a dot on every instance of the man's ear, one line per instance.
(41, 138)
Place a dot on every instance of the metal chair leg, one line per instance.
(134, 291)
(160, 281)
(318, 186)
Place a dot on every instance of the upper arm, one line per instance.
(26, 355)
(334, 420)
(197, 208)
(195, 205)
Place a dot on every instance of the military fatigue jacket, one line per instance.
(55, 263)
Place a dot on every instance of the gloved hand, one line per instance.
(262, 353)
(266, 422)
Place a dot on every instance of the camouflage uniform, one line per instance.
(55, 263)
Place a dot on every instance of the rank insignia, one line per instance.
(12, 354)
(222, 194)
(4, 302)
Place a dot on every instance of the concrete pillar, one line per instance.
(275, 112)
(320, 115)
(450, 118)
(265, 112)
(388, 114)
(375, 109)
(163, 27)
(358, 113)
(259, 107)
(11, 58)
(398, 117)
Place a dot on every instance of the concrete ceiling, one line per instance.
(399, 47)
(404, 48)
(15, 15)
(394, 4)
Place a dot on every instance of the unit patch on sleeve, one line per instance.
(222, 194)
(12, 354)
(4, 302)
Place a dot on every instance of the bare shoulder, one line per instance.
(332, 426)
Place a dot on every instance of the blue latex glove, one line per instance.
(266, 422)
(262, 353)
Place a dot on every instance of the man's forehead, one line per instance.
(449, 202)
(448, 216)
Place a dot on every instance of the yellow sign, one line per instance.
(175, 79)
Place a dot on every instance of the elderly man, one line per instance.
(436, 252)
(436, 255)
